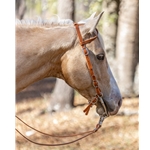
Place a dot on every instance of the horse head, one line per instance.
(59, 54)
(76, 73)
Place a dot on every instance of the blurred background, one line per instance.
(119, 28)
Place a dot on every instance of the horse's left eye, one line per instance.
(100, 56)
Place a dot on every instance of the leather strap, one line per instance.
(90, 68)
(84, 134)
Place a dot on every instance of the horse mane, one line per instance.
(45, 22)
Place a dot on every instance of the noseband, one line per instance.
(97, 99)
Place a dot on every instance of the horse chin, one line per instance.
(114, 112)
(100, 110)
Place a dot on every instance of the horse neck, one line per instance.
(39, 51)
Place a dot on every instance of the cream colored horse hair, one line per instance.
(44, 22)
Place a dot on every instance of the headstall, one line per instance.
(99, 94)
(98, 99)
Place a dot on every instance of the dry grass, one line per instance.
(117, 133)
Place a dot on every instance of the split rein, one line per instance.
(85, 134)
(98, 98)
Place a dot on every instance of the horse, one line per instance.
(51, 48)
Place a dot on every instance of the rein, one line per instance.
(85, 134)
(98, 99)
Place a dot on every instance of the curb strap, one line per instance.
(99, 93)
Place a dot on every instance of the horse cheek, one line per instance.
(76, 74)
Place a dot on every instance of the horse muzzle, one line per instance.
(113, 108)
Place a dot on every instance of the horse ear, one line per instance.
(94, 22)
(92, 16)
(90, 24)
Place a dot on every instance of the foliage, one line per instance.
(50, 6)
(35, 7)
(95, 6)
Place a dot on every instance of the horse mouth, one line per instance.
(112, 109)
(114, 112)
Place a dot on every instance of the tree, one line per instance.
(109, 29)
(62, 97)
(20, 8)
(66, 9)
(127, 50)
(44, 4)
(82, 7)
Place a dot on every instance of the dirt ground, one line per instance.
(118, 132)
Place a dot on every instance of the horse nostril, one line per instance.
(109, 107)
(120, 102)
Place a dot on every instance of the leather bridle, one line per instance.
(99, 94)
(97, 99)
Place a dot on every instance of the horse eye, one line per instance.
(100, 56)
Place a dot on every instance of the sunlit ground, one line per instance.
(117, 133)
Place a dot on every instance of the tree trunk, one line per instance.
(109, 27)
(82, 9)
(136, 81)
(20, 8)
(127, 45)
(62, 97)
(66, 9)
(109, 30)
(44, 6)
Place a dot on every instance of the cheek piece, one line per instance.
(98, 97)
